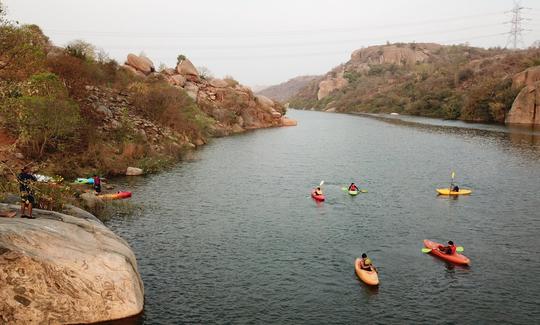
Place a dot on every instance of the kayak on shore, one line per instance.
(453, 258)
(368, 277)
(115, 196)
(84, 180)
(447, 191)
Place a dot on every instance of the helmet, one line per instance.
(367, 261)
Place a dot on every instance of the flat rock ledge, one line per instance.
(62, 269)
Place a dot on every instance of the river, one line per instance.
(232, 236)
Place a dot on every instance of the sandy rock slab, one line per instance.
(60, 269)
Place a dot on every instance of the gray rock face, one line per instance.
(60, 269)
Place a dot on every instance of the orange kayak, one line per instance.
(368, 277)
(454, 258)
(115, 196)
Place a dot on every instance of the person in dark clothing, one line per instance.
(455, 188)
(27, 196)
(450, 249)
(97, 184)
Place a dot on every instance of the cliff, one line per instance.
(453, 82)
(62, 269)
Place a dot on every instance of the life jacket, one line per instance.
(353, 187)
(452, 249)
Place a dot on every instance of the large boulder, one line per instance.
(527, 77)
(265, 102)
(140, 63)
(185, 68)
(526, 106)
(134, 171)
(178, 80)
(60, 269)
(133, 70)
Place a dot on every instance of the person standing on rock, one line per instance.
(97, 184)
(27, 197)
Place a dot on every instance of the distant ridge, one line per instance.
(283, 91)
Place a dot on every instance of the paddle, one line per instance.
(347, 189)
(452, 182)
(459, 249)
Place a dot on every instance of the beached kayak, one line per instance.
(317, 197)
(84, 181)
(353, 193)
(454, 258)
(446, 191)
(368, 277)
(115, 196)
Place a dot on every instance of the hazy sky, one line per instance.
(263, 42)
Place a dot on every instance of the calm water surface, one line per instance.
(233, 236)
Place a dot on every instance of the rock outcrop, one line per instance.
(60, 269)
(286, 90)
(331, 84)
(140, 63)
(526, 78)
(526, 106)
(234, 107)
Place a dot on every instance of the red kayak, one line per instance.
(454, 258)
(115, 196)
(317, 197)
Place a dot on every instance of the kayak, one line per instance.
(317, 197)
(115, 196)
(446, 191)
(454, 258)
(368, 277)
(353, 193)
(84, 181)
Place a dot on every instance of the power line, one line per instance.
(235, 34)
(515, 35)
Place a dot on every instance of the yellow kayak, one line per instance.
(368, 277)
(446, 191)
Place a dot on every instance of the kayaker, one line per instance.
(318, 191)
(27, 197)
(455, 188)
(365, 263)
(450, 249)
(97, 184)
(353, 187)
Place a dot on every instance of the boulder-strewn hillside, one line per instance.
(73, 111)
(286, 90)
(454, 82)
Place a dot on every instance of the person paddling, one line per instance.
(450, 249)
(455, 188)
(366, 264)
(27, 197)
(318, 191)
(353, 187)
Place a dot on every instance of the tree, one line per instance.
(22, 51)
(82, 50)
(180, 58)
(205, 73)
(42, 115)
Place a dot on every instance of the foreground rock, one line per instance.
(526, 107)
(64, 269)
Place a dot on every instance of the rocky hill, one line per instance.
(453, 82)
(70, 111)
(285, 90)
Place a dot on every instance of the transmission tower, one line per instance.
(515, 36)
